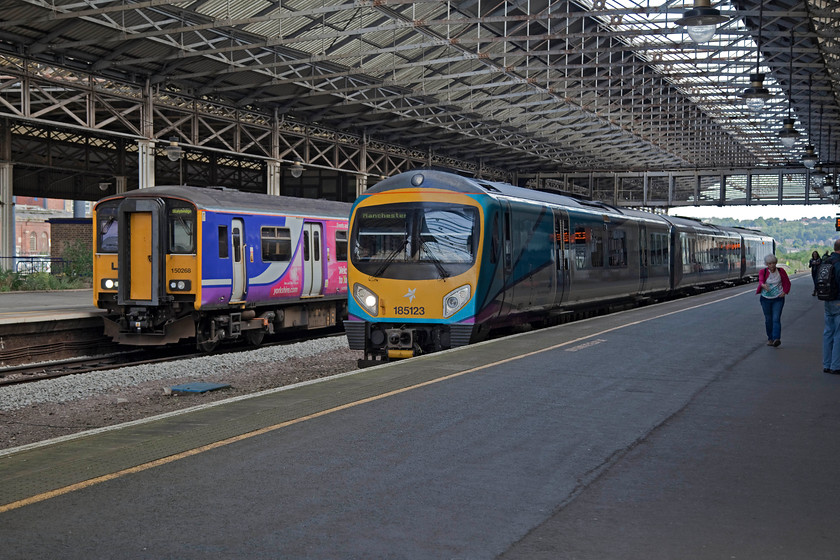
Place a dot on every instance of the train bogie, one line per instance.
(216, 264)
(503, 256)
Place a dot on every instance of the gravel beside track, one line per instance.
(45, 409)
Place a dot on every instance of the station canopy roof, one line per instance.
(535, 85)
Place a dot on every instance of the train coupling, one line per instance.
(138, 321)
(400, 343)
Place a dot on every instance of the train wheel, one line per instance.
(204, 341)
(254, 337)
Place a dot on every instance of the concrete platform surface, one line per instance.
(670, 431)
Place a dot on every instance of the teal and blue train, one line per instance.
(438, 260)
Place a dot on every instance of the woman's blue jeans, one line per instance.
(831, 335)
(773, 316)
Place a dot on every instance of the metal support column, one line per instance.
(146, 163)
(7, 217)
(274, 177)
(748, 192)
(361, 185)
(672, 185)
(122, 184)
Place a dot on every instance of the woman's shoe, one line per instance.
(769, 343)
(777, 342)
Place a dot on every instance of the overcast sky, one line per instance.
(786, 212)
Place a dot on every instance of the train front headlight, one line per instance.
(109, 284)
(367, 299)
(179, 285)
(455, 300)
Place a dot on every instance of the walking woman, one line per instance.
(814, 263)
(773, 285)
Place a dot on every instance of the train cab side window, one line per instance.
(276, 244)
(181, 230)
(224, 249)
(495, 244)
(341, 245)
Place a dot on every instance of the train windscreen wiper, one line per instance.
(390, 258)
(437, 262)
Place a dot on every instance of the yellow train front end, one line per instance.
(413, 269)
(146, 270)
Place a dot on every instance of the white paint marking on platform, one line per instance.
(586, 345)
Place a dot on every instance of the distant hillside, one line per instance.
(807, 234)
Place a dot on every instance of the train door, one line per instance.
(561, 254)
(140, 251)
(644, 258)
(507, 257)
(238, 276)
(140, 258)
(313, 272)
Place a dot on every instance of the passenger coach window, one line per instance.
(181, 230)
(276, 244)
(658, 249)
(618, 249)
(341, 245)
(106, 218)
(224, 250)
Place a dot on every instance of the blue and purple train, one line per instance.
(214, 264)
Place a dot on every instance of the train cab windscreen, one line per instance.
(415, 241)
(107, 227)
(181, 228)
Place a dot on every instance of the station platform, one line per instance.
(24, 307)
(42, 326)
(668, 431)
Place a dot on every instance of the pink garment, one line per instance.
(762, 276)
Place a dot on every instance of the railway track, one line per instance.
(28, 373)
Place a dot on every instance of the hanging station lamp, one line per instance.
(296, 169)
(757, 95)
(701, 21)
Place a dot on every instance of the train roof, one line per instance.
(224, 199)
(433, 179)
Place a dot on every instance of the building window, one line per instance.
(33, 242)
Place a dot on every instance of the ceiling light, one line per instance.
(701, 21)
(173, 150)
(818, 172)
(296, 169)
(788, 134)
(756, 95)
(809, 159)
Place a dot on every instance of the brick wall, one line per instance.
(69, 230)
